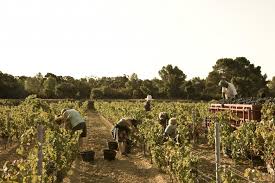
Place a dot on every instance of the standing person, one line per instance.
(171, 129)
(147, 104)
(228, 90)
(73, 120)
(121, 132)
(163, 119)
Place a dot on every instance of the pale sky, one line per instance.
(114, 37)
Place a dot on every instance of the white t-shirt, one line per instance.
(230, 91)
(171, 130)
(74, 117)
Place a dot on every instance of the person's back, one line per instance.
(73, 121)
(147, 106)
(74, 117)
(163, 119)
(121, 133)
(123, 124)
(171, 129)
(228, 89)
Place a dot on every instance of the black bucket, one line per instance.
(113, 145)
(109, 154)
(88, 156)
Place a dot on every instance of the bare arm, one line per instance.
(59, 119)
(223, 95)
(63, 120)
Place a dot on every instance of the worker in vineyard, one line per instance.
(163, 119)
(228, 89)
(147, 104)
(73, 120)
(121, 132)
(171, 129)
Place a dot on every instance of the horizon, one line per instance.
(111, 76)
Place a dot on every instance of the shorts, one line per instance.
(122, 136)
(81, 126)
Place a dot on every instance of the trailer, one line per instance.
(243, 112)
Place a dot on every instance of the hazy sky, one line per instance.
(115, 37)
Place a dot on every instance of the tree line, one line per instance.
(247, 78)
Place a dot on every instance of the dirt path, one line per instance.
(132, 169)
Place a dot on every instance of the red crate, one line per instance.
(244, 112)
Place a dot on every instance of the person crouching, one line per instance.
(163, 119)
(121, 133)
(171, 129)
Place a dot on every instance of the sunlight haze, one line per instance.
(109, 38)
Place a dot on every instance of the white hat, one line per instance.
(149, 97)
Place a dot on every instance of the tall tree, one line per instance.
(133, 86)
(33, 85)
(65, 90)
(195, 88)
(271, 86)
(49, 87)
(245, 76)
(10, 87)
(149, 88)
(172, 78)
(83, 88)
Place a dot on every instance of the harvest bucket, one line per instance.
(109, 154)
(88, 156)
(112, 145)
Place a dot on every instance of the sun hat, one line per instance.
(149, 97)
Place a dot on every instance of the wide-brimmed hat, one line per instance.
(149, 97)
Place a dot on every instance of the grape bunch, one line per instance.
(249, 100)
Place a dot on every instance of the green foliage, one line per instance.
(228, 176)
(66, 90)
(33, 85)
(173, 158)
(49, 87)
(60, 146)
(271, 86)
(172, 78)
(223, 118)
(247, 78)
(10, 87)
(251, 141)
(244, 144)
